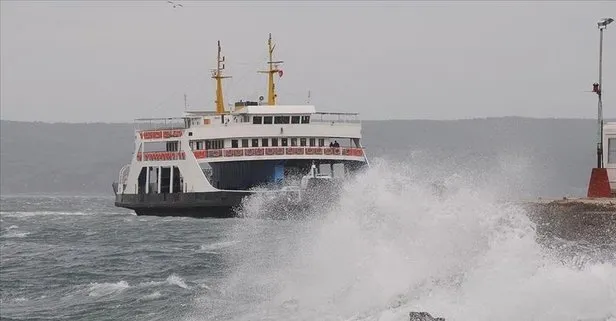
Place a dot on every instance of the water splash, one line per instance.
(390, 245)
(176, 280)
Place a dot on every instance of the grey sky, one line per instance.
(114, 61)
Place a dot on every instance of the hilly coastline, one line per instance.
(553, 156)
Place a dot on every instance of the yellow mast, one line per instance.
(217, 74)
(273, 69)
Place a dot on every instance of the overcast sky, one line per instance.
(114, 61)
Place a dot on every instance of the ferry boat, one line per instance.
(204, 163)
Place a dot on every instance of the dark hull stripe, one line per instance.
(210, 204)
(188, 211)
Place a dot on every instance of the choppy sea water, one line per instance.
(387, 247)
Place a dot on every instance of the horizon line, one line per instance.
(368, 120)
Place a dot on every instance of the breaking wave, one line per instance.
(391, 245)
(104, 289)
(112, 288)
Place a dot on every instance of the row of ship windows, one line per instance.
(265, 142)
(256, 142)
(258, 120)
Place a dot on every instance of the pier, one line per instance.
(575, 219)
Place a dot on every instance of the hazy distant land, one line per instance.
(552, 157)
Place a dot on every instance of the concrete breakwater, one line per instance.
(582, 219)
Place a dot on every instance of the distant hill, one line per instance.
(62, 158)
(548, 157)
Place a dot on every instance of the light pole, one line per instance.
(602, 25)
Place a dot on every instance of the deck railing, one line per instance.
(272, 151)
(143, 124)
(335, 117)
(161, 156)
(255, 151)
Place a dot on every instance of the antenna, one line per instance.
(185, 102)
(308, 102)
(217, 74)
(273, 69)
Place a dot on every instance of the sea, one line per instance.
(387, 246)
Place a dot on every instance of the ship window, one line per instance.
(257, 120)
(155, 146)
(173, 146)
(305, 119)
(302, 142)
(294, 141)
(255, 142)
(295, 120)
(264, 142)
(284, 142)
(281, 119)
(611, 150)
(321, 142)
(234, 143)
(267, 119)
(244, 143)
(274, 142)
(312, 142)
(214, 144)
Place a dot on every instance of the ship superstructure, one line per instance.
(205, 162)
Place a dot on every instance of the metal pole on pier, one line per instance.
(597, 88)
(599, 185)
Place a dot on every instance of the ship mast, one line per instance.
(273, 68)
(217, 74)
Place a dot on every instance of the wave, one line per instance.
(38, 213)
(214, 247)
(390, 245)
(105, 289)
(19, 214)
(13, 234)
(176, 280)
(172, 279)
(152, 296)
